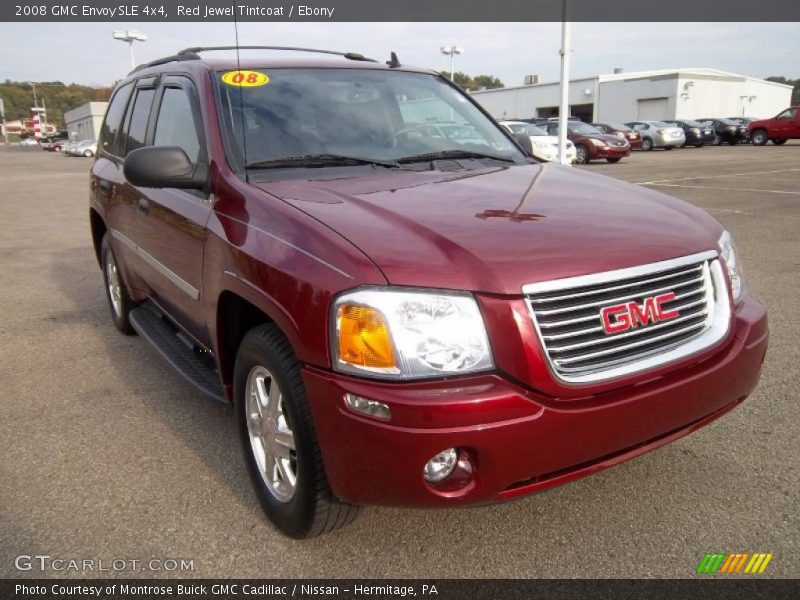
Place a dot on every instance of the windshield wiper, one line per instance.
(443, 154)
(318, 160)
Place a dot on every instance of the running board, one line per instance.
(148, 322)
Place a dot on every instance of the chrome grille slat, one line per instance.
(618, 299)
(567, 317)
(628, 334)
(696, 269)
(579, 332)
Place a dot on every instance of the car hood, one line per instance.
(494, 230)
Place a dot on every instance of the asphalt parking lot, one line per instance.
(106, 453)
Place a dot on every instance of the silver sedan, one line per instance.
(656, 134)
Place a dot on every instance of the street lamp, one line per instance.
(451, 51)
(130, 37)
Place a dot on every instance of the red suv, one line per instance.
(785, 126)
(400, 317)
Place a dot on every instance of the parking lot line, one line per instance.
(714, 187)
(664, 181)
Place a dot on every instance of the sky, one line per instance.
(86, 53)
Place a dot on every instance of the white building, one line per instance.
(645, 95)
(84, 122)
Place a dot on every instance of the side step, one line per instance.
(196, 369)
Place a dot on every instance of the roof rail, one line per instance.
(348, 55)
(181, 56)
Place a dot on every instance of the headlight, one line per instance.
(597, 142)
(728, 254)
(408, 334)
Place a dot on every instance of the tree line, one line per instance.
(58, 97)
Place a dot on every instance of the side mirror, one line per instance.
(525, 142)
(163, 167)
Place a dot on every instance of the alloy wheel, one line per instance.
(114, 284)
(271, 437)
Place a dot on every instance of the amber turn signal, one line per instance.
(364, 338)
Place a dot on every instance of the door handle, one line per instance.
(105, 187)
(144, 205)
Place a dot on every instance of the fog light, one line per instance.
(371, 408)
(441, 465)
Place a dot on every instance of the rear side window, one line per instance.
(176, 125)
(113, 120)
(140, 113)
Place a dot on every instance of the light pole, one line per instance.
(563, 109)
(451, 51)
(130, 37)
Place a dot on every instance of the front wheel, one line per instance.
(717, 140)
(700, 145)
(647, 144)
(581, 154)
(668, 147)
(87, 153)
(759, 137)
(779, 142)
(733, 141)
(119, 301)
(614, 160)
(280, 445)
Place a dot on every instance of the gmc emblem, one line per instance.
(622, 317)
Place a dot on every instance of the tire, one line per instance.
(308, 508)
(119, 301)
(87, 153)
(700, 145)
(647, 144)
(733, 141)
(668, 147)
(614, 160)
(717, 140)
(779, 142)
(759, 137)
(581, 155)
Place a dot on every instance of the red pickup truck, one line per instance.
(785, 126)
(399, 317)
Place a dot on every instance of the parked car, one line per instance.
(66, 147)
(543, 145)
(86, 148)
(398, 319)
(726, 131)
(657, 134)
(590, 143)
(623, 131)
(29, 142)
(782, 127)
(697, 134)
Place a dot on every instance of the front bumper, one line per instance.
(520, 440)
(609, 151)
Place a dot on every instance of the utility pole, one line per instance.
(3, 121)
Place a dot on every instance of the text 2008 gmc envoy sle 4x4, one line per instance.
(403, 307)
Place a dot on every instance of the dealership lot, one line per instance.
(107, 454)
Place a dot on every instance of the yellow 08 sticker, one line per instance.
(245, 78)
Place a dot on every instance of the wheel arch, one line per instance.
(236, 314)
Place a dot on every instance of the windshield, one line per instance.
(692, 124)
(582, 128)
(726, 122)
(660, 124)
(358, 113)
(622, 128)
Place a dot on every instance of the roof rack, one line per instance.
(347, 55)
(167, 59)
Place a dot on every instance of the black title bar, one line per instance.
(401, 10)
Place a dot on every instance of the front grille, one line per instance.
(567, 315)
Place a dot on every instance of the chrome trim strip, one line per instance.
(698, 268)
(716, 324)
(182, 284)
(609, 276)
(610, 301)
(291, 245)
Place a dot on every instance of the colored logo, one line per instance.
(736, 562)
(631, 315)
